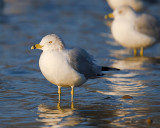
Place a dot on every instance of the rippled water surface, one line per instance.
(28, 100)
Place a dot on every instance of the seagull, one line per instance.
(137, 5)
(66, 67)
(132, 30)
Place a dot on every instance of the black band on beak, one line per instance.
(34, 46)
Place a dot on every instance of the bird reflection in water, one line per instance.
(59, 103)
(128, 80)
(57, 117)
(137, 74)
(136, 63)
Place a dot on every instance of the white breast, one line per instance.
(125, 34)
(56, 69)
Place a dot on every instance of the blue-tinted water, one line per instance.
(28, 100)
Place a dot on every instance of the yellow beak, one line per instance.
(109, 16)
(37, 46)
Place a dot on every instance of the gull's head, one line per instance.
(125, 12)
(50, 42)
(122, 12)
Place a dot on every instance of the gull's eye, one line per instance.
(120, 11)
(50, 42)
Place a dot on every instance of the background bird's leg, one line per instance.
(72, 105)
(135, 52)
(72, 94)
(59, 101)
(141, 52)
(59, 93)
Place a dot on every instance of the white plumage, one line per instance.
(133, 30)
(66, 67)
(137, 5)
(55, 67)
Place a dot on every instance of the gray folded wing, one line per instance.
(148, 25)
(82, 62)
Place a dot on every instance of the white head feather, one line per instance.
(52, 42)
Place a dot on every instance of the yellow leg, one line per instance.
(72, 94)
(59, 105)
(135, 52)
(59, 93)
(59, 101)
(141, 52)
(72, 105)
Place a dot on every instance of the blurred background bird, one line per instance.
(132, 30)
(137, 5)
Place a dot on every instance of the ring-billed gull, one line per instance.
(66, 67)
(137, 5)
(132, 30)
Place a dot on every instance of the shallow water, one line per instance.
(28, 100)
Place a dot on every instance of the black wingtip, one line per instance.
(109, 69)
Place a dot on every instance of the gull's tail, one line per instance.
(109, 69)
